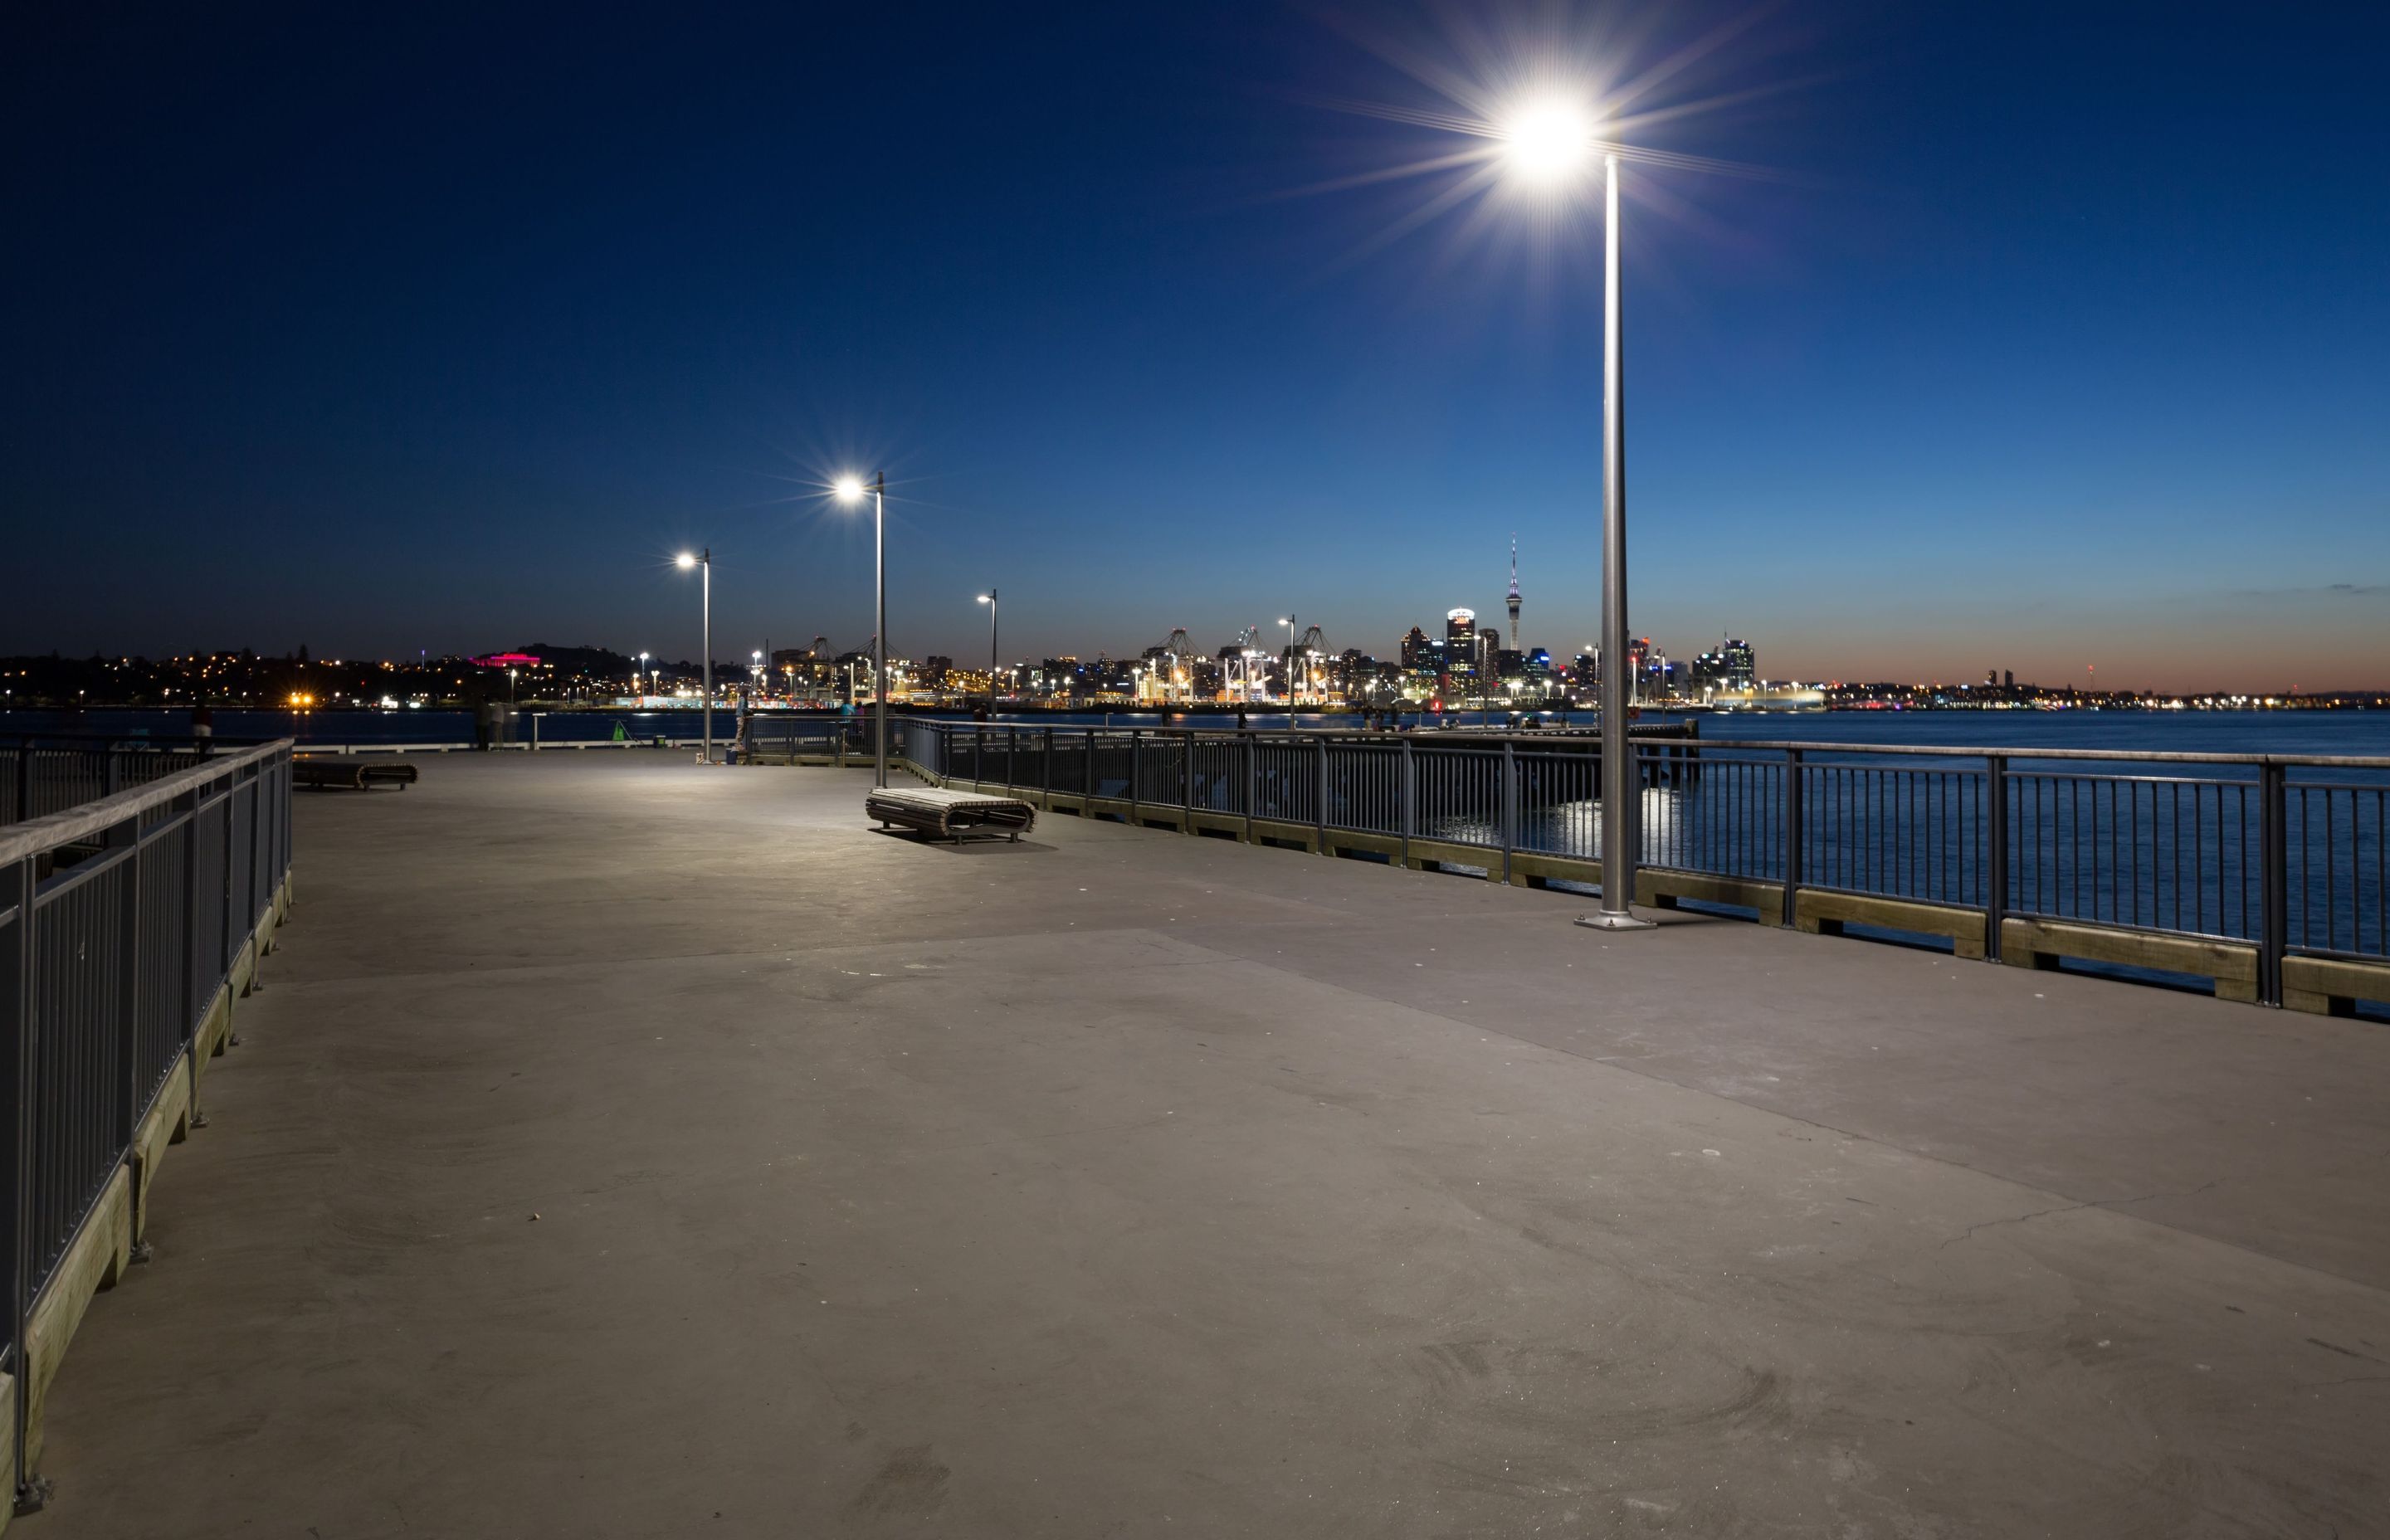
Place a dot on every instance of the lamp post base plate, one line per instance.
(1624, 921)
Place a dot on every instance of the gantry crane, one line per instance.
(1245, 670)
(1170, 678)
(1307, 668)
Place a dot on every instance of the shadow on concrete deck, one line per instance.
(626, 1148)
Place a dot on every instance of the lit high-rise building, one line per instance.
(1460, 646)
(1515, 634)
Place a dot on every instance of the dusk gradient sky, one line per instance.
(2055, 335)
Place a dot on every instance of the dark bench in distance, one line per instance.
(351, 774)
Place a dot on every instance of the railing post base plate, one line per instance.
(1603, 919)
(34, 1496)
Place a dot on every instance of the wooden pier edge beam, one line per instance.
(97, 1256)
(2042, 943)
(104, 1246)
(168, 1121)
(210, 1036)
(1663, 889)
(2331, 986)
(1336, 842)
(1821, 913)
(1285, 833)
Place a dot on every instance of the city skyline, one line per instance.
(1031, 637)
(1923, 391)
(1418, 668)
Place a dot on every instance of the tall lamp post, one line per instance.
(1291, 636)
(704, 559)
(850, 489)
(1544, 144)
(1620, 793)
(643, 673)
(988, 599)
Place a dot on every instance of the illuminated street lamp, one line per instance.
(850, 489)
(1545, 144)
(1288, 622)
(705, 559)
(988, 599)
(642, 681)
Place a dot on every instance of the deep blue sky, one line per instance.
(2061, 335)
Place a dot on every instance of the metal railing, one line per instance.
(2288, 854)
(120, 921)
(787, 735)
(45, 773)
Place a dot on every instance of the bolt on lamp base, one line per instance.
(1622, 920)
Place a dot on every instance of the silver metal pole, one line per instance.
(879, 638)
(1619, 793)
(706, 562)
(991, 649)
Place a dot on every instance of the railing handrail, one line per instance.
(2013, 753)
(53, 829)
(1730, 745)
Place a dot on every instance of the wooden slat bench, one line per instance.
(950, 815)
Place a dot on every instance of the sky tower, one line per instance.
(1517, 641)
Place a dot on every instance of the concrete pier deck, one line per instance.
(626, 1148)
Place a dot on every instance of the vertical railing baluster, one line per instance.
(1995, 826)
(1506, 809)
(1925, 781)
(125, 837)
(2299, 887)
(189, 1014)
(2071, 872)
(2097, 887)
(2274, 895)
(1793, 777)
(1253, 782)
(1319, 810)
(2174, 804)
(2331, 871)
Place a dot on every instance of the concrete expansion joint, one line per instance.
(2072, 1208)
